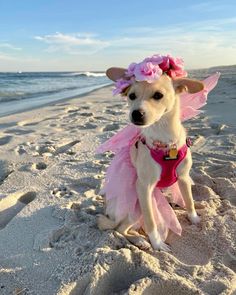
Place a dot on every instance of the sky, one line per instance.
(75, 35)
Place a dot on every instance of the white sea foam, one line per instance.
(87, 74)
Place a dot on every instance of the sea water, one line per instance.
(25, 90)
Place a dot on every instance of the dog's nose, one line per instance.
(138, 116)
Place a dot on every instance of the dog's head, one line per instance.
(150, 101)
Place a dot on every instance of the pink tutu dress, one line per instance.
(121, 175)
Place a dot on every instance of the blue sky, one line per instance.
(73, 35)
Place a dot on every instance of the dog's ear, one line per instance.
(115, 73)
(189, 85)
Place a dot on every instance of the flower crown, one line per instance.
(150, 70)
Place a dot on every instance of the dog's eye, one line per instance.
(157, 95)
(132, 96)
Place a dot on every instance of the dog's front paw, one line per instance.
(157, 243)
(194, 218)
(161, 246)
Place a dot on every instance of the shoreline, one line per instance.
(33, 101)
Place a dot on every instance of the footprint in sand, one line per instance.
(115, 113)
(111, 127)
(62, 192)
(5, 139)
(69, 111)
(229, 170)
(87, 126)
(11, 205)
(202, 192)
(66, 147)
(39, 166)
(5, 170)
(115, 277)
(85, 114)
(45, 149)
(85, 183)
(214, 287)
(20, 150)
(85, 108)
(229, 259)
(118, 105)
(225, 188)
(18, 131)
(101, 118)
(28, 123)
(192, 250)
(49, 149)
(149, 286)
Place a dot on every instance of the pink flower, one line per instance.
(150, 70)
(130, 70)
(120, 86)
(147, 71)
(173, 67)
(155, 59)
(165, 63)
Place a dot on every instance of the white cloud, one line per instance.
(73, 43)
(201, 44)
(6, 57)
(9, 46)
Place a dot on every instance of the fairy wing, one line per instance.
(124, 137)
(190, 104)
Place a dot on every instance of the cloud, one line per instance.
(201, 44)
(73, 43)
(9, 46)
(6, 57)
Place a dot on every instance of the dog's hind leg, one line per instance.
(105, 223)
(131, 235)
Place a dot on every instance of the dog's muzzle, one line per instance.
(138, 117)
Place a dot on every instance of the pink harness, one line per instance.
(168, 172)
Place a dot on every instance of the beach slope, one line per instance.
(50, 180)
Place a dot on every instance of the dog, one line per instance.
(155, 108)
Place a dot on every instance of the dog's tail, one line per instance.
(105, 223)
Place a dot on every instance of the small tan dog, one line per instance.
(155, 107)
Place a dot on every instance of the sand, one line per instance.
(50, 180)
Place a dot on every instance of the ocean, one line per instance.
(25, 90)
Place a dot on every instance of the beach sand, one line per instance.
(50, 180)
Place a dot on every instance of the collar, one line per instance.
(159, 145)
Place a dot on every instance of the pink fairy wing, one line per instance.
(164, 215)
(122, 138)
(189, 112)
(119, 187)
(191, 103)
(176, 196)
(211, 81)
